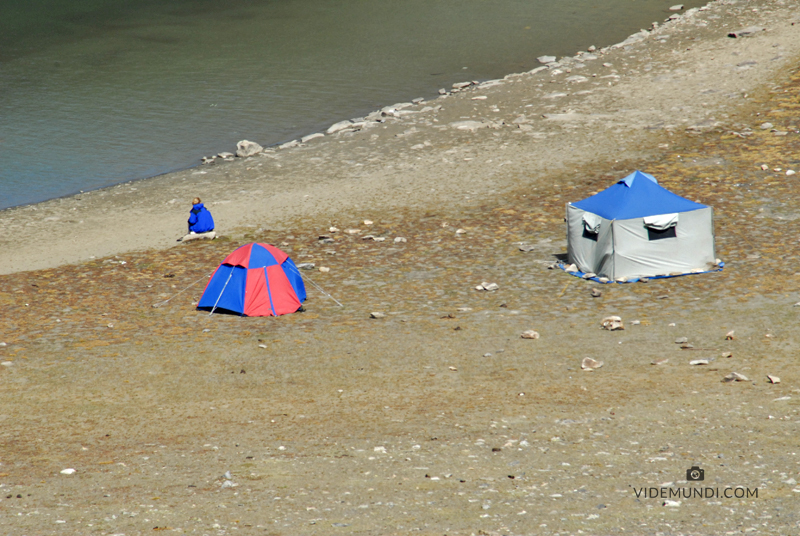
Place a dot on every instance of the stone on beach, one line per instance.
(735, 377)
(746, 32)
(612, 323)
(487, 286)
(546, 59)
(247, 148)
(306, 139)
(376, 314)
(341, 125)
(590, 364)
(773, 379)
(530, 334)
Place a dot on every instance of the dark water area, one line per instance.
(99, 92)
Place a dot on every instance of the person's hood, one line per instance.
(198, 207)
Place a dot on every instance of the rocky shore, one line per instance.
(462, 388)
(618, 102)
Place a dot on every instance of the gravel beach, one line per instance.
(119, 417)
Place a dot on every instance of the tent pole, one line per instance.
(221, 291)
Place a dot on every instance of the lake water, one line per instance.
(98, 92)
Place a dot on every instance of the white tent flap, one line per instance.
(661, 222)
(591, 222)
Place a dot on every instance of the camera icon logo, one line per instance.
(695, 474)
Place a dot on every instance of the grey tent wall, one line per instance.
(595, 256)
(635, 255)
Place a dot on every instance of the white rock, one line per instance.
(546, 59)
(247, 148)
(379, 449)
(352, 231)
(399, 239)
(6, 363)
(324, 269)
(367, 222)
(377, 314)
(472, 126)
(773, 379)
(460, 231)
(735, 377)
(612, 323)
(229, 484)
(790, 172)
(461, 85)
(288, 144)
(69, 471)
(678, 7)
(490, 286)
(766, 126)
(226, 156)
(530, 334)
(571, 268)
(590, 364)
(341, 125)
(672, 504)
(306, 139)
(699, 362)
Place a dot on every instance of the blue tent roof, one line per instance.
(636, 196)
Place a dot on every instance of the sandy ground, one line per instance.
(438, 418)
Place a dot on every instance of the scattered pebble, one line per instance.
(681, 340)
(460, 231)
(659, 361)
(612, 323)
(487, 286)
(454, 369)
(69, 471)
(590, 364)
(735, 377)
(262, 346)
(399, 239)
(367, 222)
(324, 269)
(596, 293)
(727, 354)
(729, 336)
(7, 363)
(699, 362)
(530, 334)
(671, 504)
(773, 379)
(377, 314)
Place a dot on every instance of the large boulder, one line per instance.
(247, 148)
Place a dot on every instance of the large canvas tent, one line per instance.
(637, 228)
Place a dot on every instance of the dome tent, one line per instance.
(637, 228)
(255, 280)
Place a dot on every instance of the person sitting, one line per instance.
(201, 223)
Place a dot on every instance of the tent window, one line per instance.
(590, 235)
(655, 234)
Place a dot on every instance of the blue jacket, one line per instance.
(200, 220)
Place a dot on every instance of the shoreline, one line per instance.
(529, 116)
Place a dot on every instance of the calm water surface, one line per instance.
(98, 92)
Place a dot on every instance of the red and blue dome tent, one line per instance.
(255, 280)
